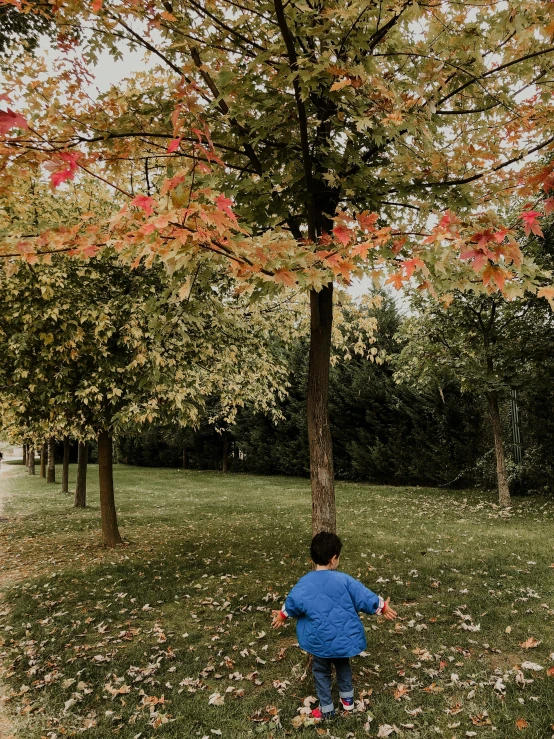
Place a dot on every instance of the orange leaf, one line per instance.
(548, 293)
(400, 691)
(550, 672)
(397, 279)
(530, 643)
(343, 234)
(521, 724)
(286, 277)
(340, 84)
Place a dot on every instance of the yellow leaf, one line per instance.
(340, 84)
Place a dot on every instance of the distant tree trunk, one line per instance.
(503, 487)
(43, 453)
(25, 455)
(81, 487)
(110, 532)
(185, 458)
(51, 461)
(225, 460)
(319, 432)
(31, 459)
(65, 468)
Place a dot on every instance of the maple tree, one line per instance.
(92, 347)
(300, 144)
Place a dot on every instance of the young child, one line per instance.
(326, 604)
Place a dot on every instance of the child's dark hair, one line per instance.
(324, 547)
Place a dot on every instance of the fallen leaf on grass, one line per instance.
(216, 699)
(550, 672)
(530, 643)
(400, 691)
(521, 724)
(387, 730)
(531, 666)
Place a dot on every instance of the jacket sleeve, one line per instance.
(293, 606)
(364, 599)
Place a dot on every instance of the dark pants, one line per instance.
(321, 668)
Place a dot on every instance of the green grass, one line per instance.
(185, 604)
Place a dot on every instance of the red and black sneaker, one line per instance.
(318, 714)
(347, 704)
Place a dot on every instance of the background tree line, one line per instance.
(388, 425)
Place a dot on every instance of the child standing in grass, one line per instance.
(326, 604)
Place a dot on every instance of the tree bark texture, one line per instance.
(503, 487)
(43, 453)
(81, 487)
(51, 461)
(25, 448)
(31, 459)
(319, 432)
(110, 532)
(65, 467)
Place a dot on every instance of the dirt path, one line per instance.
(6, 728)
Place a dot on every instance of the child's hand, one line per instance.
(388, 611)
(278, 619)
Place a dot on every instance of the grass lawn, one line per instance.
(170, 635)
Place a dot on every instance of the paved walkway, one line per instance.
(6, 729)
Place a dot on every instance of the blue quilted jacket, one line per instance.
(326, 605)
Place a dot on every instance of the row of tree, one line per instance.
(91, 347)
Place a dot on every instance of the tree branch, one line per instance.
(302, 116)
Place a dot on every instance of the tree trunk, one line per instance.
(503, 488)
(43, 453)
(110, 531)
(65, 468)
(51, 461)
(81, 487)
(225, 457)
(31, 459)
(25, 455)
(319, 432)
(185, 458)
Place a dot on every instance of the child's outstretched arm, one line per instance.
(388, 611)
(279, 619)
(366, 601)
(290, 608)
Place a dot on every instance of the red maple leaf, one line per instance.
(343, 234)
(529, 218)
(482, 238)
(9, 119)
(225, 204)
(145, 203)
(63, 167)
(367, 220)
(479, 257)
(174, 145)
(411, 264)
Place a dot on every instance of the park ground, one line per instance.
(169, 635)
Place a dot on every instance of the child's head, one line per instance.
(324, 547)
